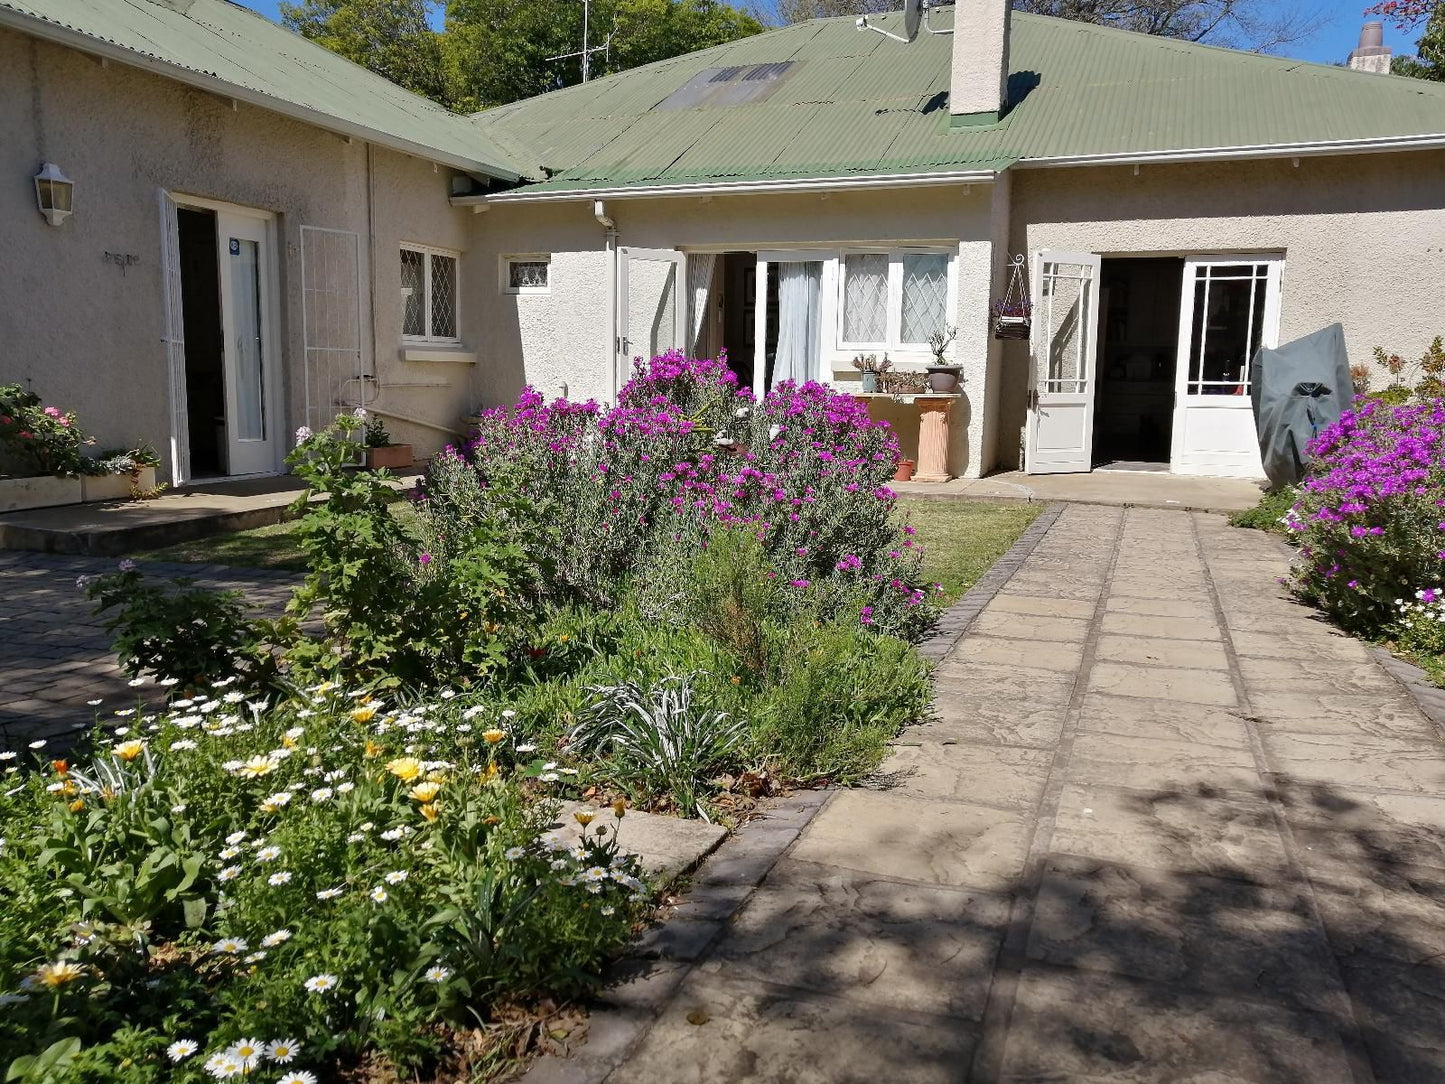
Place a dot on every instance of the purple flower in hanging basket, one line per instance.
(1006, 308)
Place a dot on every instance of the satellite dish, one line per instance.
(912, 17)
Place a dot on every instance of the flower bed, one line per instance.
(275, 890)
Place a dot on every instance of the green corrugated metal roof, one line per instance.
(860, 104)
(225, 47)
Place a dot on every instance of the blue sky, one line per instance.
(1333, 42)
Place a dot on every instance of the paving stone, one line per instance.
(946, 843)
(1199, 610)
(1393, 716)
(1076, 1026)
(1187, 929)
(1289, 676)
(1154, 651)
(1006, 601)
(1310, 646)
(1403, 1016)
(1159, 627)
(1163, 683)
(1161, 764)
(1018, 626)
(865, 938)
(995, 775)
(1348, 760)
(1137, 717)
(1024, 657)
(722, 1029)
(1197, 830)
(666, 846)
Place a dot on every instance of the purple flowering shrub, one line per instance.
(637, 490)
(1370, 519)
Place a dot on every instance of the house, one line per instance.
(263, 234)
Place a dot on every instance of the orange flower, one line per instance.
(430, 810)
(619, 807)
(373, 748)
(62, 767)
(76, 806)
(493, 735)
(583, 818)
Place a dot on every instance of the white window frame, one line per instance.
(427, 252)
(894, 344)
(524, 257)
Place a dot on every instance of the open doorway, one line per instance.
(205, 359)
(1139, 308)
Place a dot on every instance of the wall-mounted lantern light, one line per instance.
(53, 192)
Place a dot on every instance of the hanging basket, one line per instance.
(1012, 311)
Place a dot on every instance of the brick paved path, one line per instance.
(1165, 827)
(54, 653)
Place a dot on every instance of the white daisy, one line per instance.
(321, 984)
(282, 1050)
(437, 974)
(395, 877)
(378, 894)
(271, 940)
(300, 1077)
(181, 1049)
(328, 893)
(229, 945)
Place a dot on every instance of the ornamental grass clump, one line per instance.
(1370, 518)
(630, 490)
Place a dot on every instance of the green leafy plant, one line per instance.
(39, 439)
(660, 737)
(375, 434)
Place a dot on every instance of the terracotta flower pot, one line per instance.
(392, 457)
(904, 473)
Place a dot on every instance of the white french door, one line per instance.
(1062, 344)
(652, 316)
(245, 279)
(1229, 309)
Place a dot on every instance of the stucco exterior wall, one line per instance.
(1363, 238)
(87, 335)
(565, 335)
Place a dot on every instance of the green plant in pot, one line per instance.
(872, 370)
(942, 375)
(380, 451)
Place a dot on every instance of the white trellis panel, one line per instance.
(331, 314)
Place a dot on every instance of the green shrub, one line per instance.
(1271, 513)
(844, 694)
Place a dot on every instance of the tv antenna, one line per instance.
(587, 50)
(915, 15)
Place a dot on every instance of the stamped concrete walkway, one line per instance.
(1165, 827)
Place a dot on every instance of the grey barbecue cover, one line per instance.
(1298, 389)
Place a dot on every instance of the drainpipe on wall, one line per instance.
(599, 212)
(371, 265)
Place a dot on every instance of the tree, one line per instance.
(1250, 24)
(390, 37)
(1255, 24)
(1429, 59)
(498, 51)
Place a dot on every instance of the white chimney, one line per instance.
(1372, 54)
(979, 91)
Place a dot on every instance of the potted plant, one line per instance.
(120, 474)
(872, 369)
(41, 458)
(904, 471)
(380, 451)
(942, 375)
(1011, 318)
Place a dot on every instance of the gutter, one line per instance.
(728, 188)
(1257, 150)
(74, 39)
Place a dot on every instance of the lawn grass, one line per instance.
(962, 539)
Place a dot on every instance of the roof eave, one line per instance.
(728, 188)
(1374, 145)
(74, 39)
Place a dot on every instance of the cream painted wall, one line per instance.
(1363, 238)
(89, 337)
(564, 336)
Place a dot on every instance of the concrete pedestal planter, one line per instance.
(46, 491)
(116, 487)
(391, 456)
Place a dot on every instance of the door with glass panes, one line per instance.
(1229, 308)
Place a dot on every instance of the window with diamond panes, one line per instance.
(413, 292)
(443, 297)
(526, 275)
(865, 297)
(429, 294)
(924, 307)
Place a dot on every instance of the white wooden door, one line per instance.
(1062, 345)
(652, 317)
(1229, 309)
(174, 339)
(252, 438)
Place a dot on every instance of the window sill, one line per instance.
(453, 354)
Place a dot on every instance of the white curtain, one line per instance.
(800, 338)
(700, 268)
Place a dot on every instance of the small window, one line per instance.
(865, 298)
(893, 300)
(526, 274)
(924, 310)
(429, 290)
